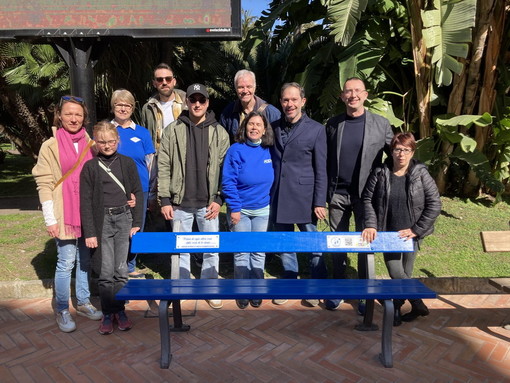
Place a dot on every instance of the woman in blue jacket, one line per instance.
(247, 179)
(401, 196)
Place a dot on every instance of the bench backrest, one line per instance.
(277, 242)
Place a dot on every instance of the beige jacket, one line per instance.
(47, 172)
(152, 116)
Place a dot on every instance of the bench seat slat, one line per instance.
(277, 242)
(169, 289)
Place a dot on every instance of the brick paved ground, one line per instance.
(461, 341)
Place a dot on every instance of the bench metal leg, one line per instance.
(166, 356)
(367, 265)
(177, 314)
(386, 355)
(367, 324)
(165, 329)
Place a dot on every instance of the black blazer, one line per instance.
(377, 138)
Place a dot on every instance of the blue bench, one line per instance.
(171, 291)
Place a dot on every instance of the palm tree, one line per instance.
(33, 77)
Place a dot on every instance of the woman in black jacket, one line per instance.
(401, 196)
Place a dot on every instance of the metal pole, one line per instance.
(81, 55)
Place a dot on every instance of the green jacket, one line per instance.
(172, 161)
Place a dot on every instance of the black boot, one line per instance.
(418, 309)
(397, 318)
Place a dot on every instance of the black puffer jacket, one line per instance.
(424, 203)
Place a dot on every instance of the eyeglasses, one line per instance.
(405, 151)
(104, 143)
(127, 106)
(63, 99)
(201, 100)
(167, 79)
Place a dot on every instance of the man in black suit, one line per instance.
(298, 195)
(356, 141)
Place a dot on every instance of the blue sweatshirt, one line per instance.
(247, 177)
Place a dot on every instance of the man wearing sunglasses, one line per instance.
(165, 106)
(189, 168)
(160, 110)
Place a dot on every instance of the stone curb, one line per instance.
(447, 285)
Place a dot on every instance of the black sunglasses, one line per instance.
(201, 100)
(167, 79)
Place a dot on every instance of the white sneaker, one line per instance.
(215, 303)
(89, 311)
(280, 301)
(65, 321)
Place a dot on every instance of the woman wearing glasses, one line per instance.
(401, 196)
(57, 174)
(135, 142)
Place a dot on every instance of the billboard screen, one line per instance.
(135, 18)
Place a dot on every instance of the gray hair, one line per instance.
(243, 73)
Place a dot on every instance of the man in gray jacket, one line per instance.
(356, 141)
(189, 170)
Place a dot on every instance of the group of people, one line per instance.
(274, 170)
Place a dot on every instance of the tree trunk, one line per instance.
(446, 150)
(486, 50)
(30, 136)
(422, 67)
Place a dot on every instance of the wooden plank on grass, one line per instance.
(495, 241)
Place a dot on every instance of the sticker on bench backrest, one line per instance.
(197, 241)
(346, 242)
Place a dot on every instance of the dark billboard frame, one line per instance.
(233, 32)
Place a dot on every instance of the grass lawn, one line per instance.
(16, 175)
(454, 249)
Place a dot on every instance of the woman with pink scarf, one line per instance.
(57, 174)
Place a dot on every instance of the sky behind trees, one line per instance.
(254, 6)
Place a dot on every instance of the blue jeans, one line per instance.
(131, 262)
(289, 260)
(70, 252)
(114, 250)
(249, 265)
(183, 223)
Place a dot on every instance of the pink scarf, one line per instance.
(71, 185)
